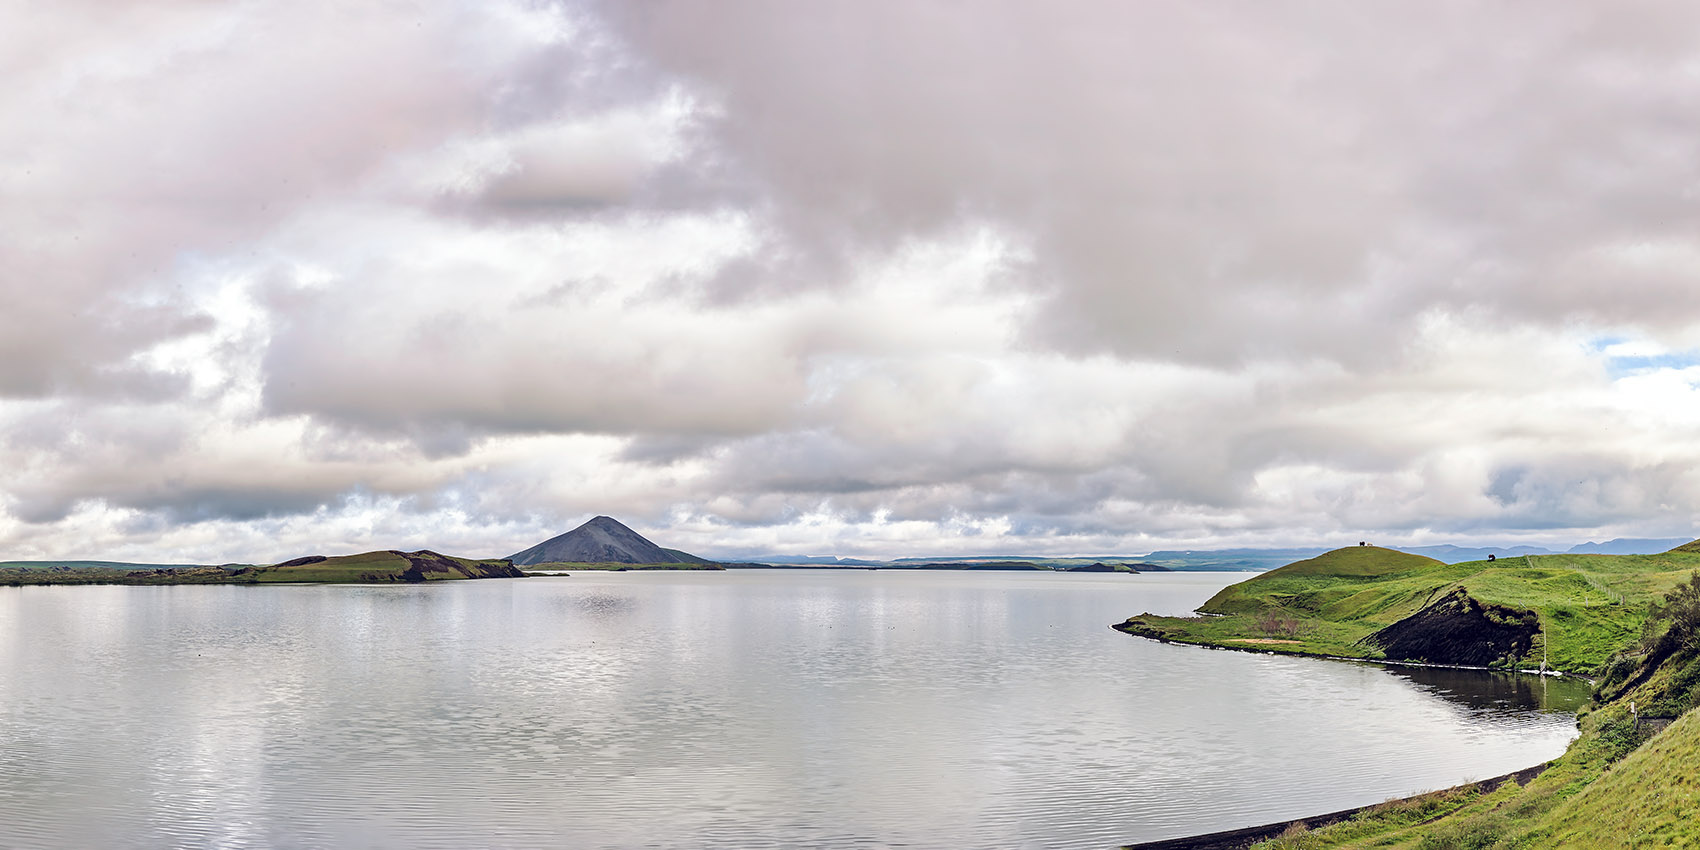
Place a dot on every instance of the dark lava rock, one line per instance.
(426, 561)
(1458, 629)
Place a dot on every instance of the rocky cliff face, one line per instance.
(425, 561)
(1458, 629)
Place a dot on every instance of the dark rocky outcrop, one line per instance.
(304, 561)
(426, 561)
(1459, 629)
(602, 540)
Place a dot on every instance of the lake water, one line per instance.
(741, 709)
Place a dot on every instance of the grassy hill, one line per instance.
(381, 566)
(1650, 799)
(1572, 611)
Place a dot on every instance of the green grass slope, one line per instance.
(382, 566)
(1650, 799)
(1355, 562)
(1586, 606)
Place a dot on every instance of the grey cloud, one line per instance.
(258, 502)
(178, 492)
(667, 449)
(449, 379)
(569, 169)
(1217, 182)
(151, 137)
(166, 460)
(1577, 491)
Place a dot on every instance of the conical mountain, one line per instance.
(602, 540)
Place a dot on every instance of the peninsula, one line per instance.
(1563, 612)
(1629, 622)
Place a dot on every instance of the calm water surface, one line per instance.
(743, 709)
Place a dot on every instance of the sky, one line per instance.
(872, 278)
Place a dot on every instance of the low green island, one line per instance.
(386, 566)
(1628, 623)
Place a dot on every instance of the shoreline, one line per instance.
(1244, 837)
(1301, 653)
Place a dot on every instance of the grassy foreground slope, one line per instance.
(1651, 799)
(1627, 781)
(1571, 611)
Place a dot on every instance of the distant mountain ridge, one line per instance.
(1108, 564)
(815, 560)
(1629, 546)
(1241, 559)
(1247, 558)
(602, 540)
(1458, 554)
(1618, 546)
(1267, 559)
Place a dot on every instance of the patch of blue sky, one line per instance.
(1625, 357)
(1638, 364)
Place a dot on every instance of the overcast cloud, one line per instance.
(864, 278)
